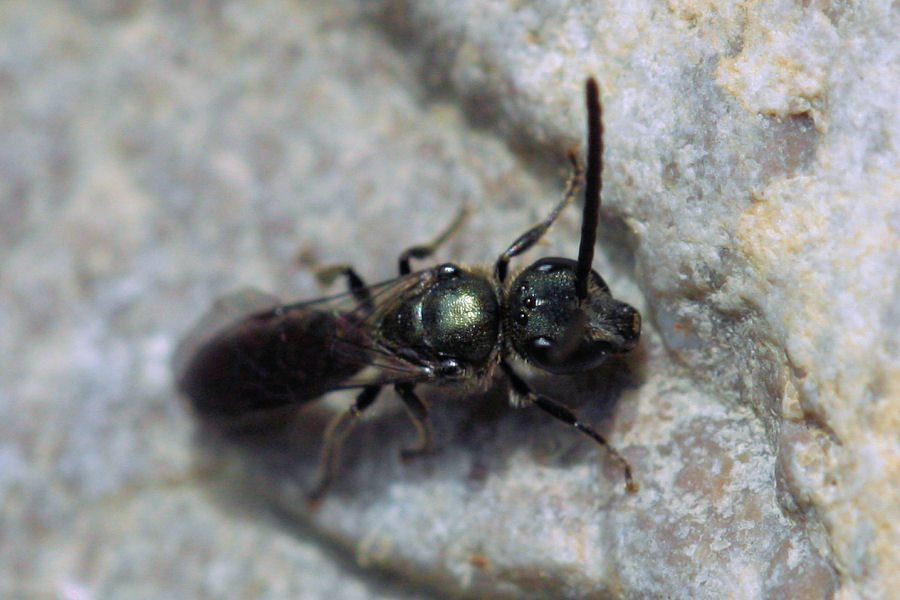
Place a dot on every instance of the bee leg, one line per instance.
(337, 430)
(355, 283)
(418, 412)
(426, 250)
(531, 237)
(564, 414)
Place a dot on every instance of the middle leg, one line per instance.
(418, 413)
(426, 250)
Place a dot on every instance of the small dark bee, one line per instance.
(445, 326)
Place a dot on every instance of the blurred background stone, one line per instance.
(155, 156)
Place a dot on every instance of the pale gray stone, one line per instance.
(155, 156)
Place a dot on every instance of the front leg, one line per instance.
(533, 235)
(564, 414)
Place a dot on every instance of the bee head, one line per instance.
(554, 330)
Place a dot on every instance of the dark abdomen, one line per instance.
(264, 361)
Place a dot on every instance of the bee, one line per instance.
(444, 326)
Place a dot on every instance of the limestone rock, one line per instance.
(155, 156)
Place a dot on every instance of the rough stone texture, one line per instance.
(154, 157)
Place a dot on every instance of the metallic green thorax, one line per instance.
(456, 316)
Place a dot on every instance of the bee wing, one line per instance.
(357, 337)
(252, 353)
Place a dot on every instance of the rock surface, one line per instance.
(155, 156)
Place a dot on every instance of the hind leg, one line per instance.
(337, 430)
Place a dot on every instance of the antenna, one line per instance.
(593, 184)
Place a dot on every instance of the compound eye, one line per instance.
(542, 343)
(450, 368)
